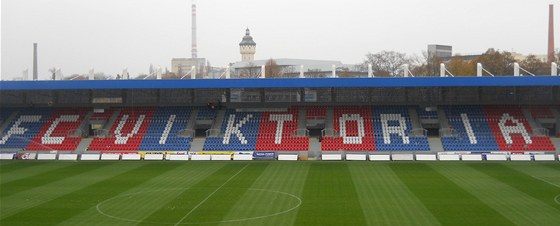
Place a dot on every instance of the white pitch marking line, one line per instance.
(208, 197)
(548, 182)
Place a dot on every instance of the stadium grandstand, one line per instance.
(302, 118)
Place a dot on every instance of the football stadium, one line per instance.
(284, 142)
(346, 151)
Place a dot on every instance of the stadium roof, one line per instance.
(283, 83)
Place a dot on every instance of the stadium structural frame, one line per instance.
(284, 83)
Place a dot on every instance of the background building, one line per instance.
(247, 47)
(439, 51)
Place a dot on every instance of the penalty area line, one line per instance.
(210, 195)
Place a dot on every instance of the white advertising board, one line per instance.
(45, 156)
(153, 157)
(221, 157)
(287, 157)
(356, 157)
(545, 158)
(90, 157)
(131, 157)
(331, 157)
(471, 157)
(237, 157)
(68, 157)
(402, 157)
(496, 157)
(449, 157)
(379, 158)
(8, 156)
(110, 156)
(520, 157)
(178, 157)
(425, 157)
(200, 157)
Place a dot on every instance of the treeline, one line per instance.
(389, 64)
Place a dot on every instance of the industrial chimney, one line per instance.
(35, 74)
(551, 57)
(193, 26)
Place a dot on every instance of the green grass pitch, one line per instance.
(279, 193)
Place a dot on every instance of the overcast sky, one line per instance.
(108, 35)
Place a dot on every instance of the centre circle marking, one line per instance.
(100, 211)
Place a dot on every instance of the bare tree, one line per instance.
(272, 70)
(249, 71)
(386, 63)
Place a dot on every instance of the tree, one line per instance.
(272, 70)
(496, 62)
(460, 67)
(558, 56)
(249, 71)
(386, 63)
(535, 65)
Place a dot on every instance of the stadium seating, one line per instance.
(315, 112)
(470, 130)
(392, 130)
(513, 132)
(25, 126)
(127, 132)
(260, 131)
(278, 132)
(423, 114)
(493, 128)
(102, 115)
(206, 114)
(59, 131)
(163, 133)
(239, 132)
(541, 112)
(353, 128)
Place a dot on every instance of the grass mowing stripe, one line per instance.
(41, 179)
(174, 210)
(36, 196)
(446, 200)
(260, 205)
(224, 198)
(385, 198)
(517, 206)
(6, 167)
(33, 169)
(540, 171)
(534, 187)
(329, 197)
(64, 207)
(132, 206)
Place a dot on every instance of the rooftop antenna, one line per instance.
(35, 69)
(193, 31)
